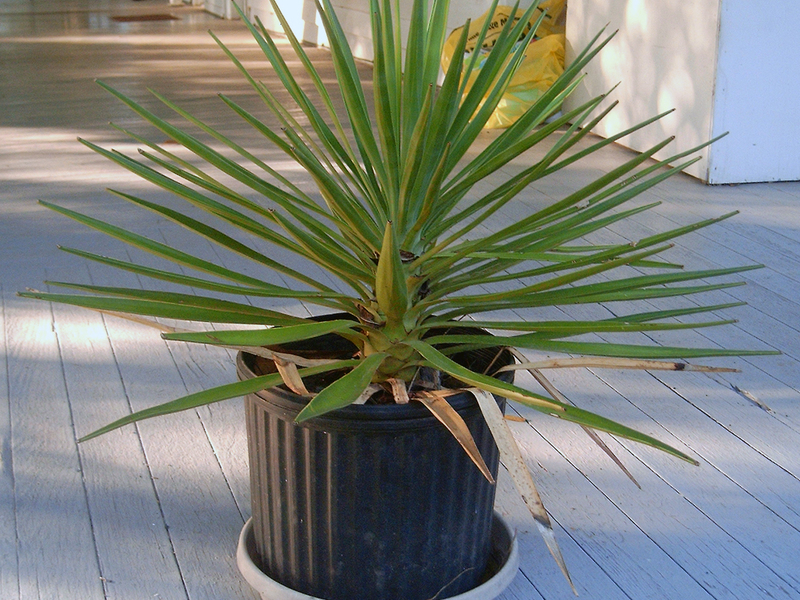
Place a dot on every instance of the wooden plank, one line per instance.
(121, 496)
(760, 534)
(710, 556)
(770, 321)
(764, 410)
(56, 542)
(199, 455)
(620, 550)
(638, 565)
(679, 514)
(717, 245)
(536, 565)
(520, 588)
(771, 471)
(196, 501)
(767, 211)
(202, 367)
(9, 567)
(200, 513)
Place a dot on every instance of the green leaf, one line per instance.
(540, 109)
(432, 162)
(631, 350)
(149, 174)
(414, 84)
(488, 162)
(495, 73)
(385, 89)
(495, 386)
(412, 150)
(541, 403)
(202, 150)
(190, 281)
(502, 63)
(285, 75)
(302, 198)
(614, 196)
(352, 93)
(224, 392)
(217, 394)
(560, 329)
(429, 200)
(220, 239)
(184, 307)
(264, 337)
(475, 49)
(314, 297)
(390, 281)
(328, 256)
(594, 421)
(560, 281)
(345, 390)
(678, 312)
(157, 248)
(315, 77)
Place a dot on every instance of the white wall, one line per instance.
(723, 65)
(300, 14)
(663, 57)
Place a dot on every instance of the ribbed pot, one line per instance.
(367, 502)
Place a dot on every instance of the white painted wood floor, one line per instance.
(153, 511)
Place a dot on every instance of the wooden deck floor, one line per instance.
(153, 511)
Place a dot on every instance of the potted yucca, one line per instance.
(375, 430)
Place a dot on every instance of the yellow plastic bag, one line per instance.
(543, 62)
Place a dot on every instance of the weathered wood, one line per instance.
(201, 514)
(761, 473)
(710, 491)
(122, 500)
(594, 535)
(54, 533)
(9, 566)
(698, 507)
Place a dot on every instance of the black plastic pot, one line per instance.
(367, 502)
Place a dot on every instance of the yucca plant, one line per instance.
(399, 226)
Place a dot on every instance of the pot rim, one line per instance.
(505, 551)
(363, 417)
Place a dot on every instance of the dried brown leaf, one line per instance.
(449, 417)
(615, 363)
(399, 390)
(512, 458)
(593, 435)
(291, 377)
